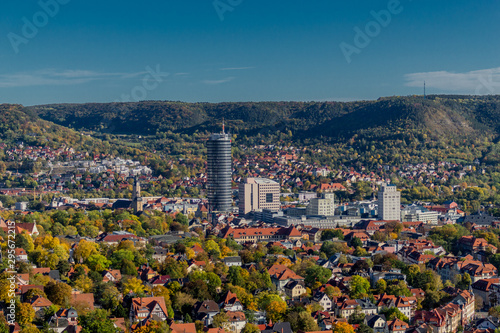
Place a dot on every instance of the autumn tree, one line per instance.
(342, 327)
(97, 262)
(276, 310)
(134, 285)
(58, 292)
(331, 292)
(220, 319)
(84, 250)
(250, 328)
(380, 286)
(24, 314)
(359, 287)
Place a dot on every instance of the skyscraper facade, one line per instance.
(219, 169)
(389, 203)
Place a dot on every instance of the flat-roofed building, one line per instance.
(324, 206)
(389, 203)
(258, 193)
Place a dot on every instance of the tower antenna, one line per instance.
(223, 126)
(424, 91)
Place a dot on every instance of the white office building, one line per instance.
(389, 203)
(324, 206)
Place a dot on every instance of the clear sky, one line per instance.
(245, 50)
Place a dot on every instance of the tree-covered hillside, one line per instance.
(442, 115)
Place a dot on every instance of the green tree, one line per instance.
(356, 242)
(234, 276)
(220, 319)
(359, 287)
(317, 274)
(110, 297)
(98, 262)
(381, 286)
(363, 328)
(398, 288)
(97, 321)
(393, 313)
(464, 282)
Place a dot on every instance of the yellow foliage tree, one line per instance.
(30, 328)
(284, 261)
(5, 287)
(225, 251)
(84, 250)
(342, 327)
(276, 310)
(246, 298)
(84, 284)
(190, 253)
(134, 285)
(161, 291)
(24, 314)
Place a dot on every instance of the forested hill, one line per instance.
(19, 124)
(440, 115)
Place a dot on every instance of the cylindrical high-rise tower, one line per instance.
(219, 169)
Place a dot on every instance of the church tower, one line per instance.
(137, 203)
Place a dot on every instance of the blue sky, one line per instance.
(245, 50)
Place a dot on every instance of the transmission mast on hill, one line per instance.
(424, 91)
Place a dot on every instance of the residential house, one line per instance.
(322, 299)
(483, 288)
(64, 320)
(471, 244)
(397, 326)
(148, 308)
(160, 253)
(83, 301)
(236, 321)
(294, 289)
(283, 327)
(182, 328)
(112, 275)
(377, 323)
(205, 311)
(367, 307)
(281, 275)
(402, 303)
(232, 261)
(21, 254)
(231, 302)
(39, 303)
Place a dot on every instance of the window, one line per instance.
(269, 197)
